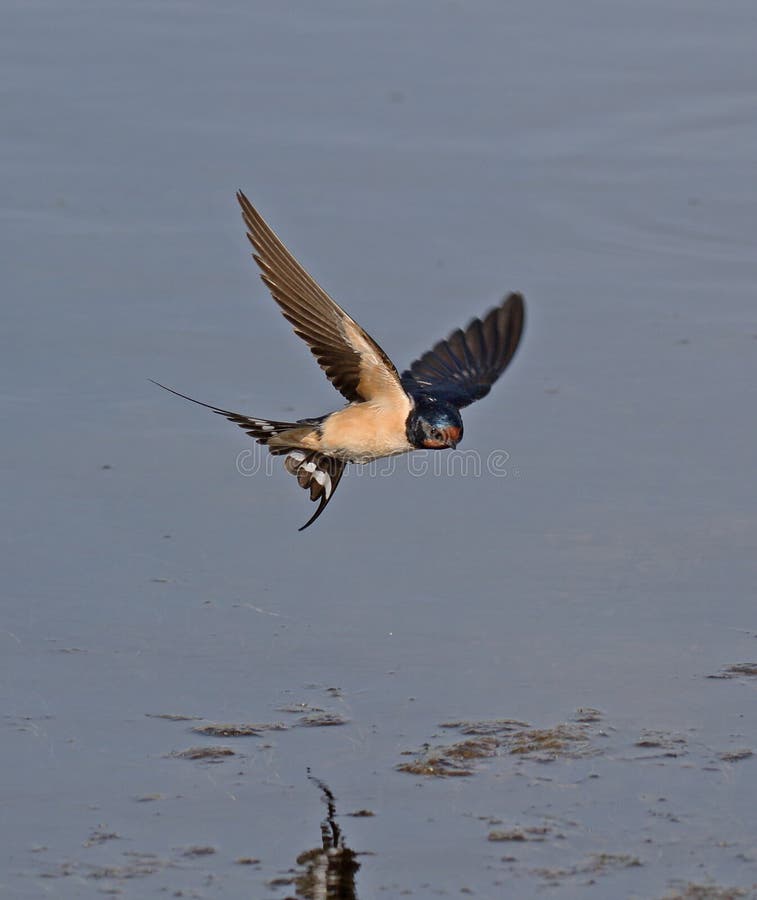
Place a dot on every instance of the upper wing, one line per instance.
(465, 366)
(351, 359)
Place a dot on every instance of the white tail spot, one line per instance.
(324, 480)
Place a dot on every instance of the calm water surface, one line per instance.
(561, 617)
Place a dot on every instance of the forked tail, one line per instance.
(314, 471)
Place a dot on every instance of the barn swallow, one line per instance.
(386, 413)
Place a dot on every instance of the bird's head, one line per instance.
(434, 425)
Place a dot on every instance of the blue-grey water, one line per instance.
(421, 160)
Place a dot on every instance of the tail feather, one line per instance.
(260, 429)
(319, 473)
(316, 472)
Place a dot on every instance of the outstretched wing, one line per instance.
(351, 359)
(465, 366)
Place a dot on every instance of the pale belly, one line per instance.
(363, 432)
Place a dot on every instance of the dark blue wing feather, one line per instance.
(465, 366)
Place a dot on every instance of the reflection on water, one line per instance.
(329, 870)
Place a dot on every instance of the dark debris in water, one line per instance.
(737, 670)
(313, 716)
(201, 850)
(493, 726)
(209, 754)
(736, 755)
(597, 864)
(693, 891)
(583, 737)
(668, 744)
(500, 737)
(587, 715)
(538, 833)
(548, 744)
(251, 729)
(473, 748)
(138, 865)
(139, 868)
(321, 720)
(298, 708)
(100, 836)
(659, 739)
(453, 760)
(26, 724)
(173, 717)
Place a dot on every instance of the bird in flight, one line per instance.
(386, 413)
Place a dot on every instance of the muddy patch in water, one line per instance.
(203, 754)
(711, 892)
(503, 737)
(243, 730)
(596, 864)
